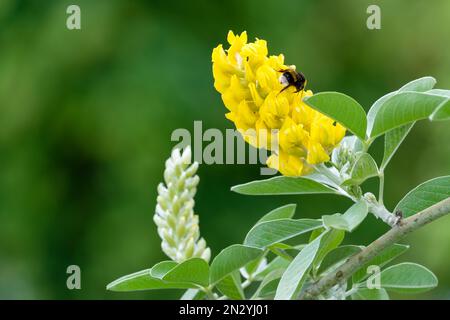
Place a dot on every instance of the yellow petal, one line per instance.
(316, 153)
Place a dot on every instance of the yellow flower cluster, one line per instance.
(249, 82)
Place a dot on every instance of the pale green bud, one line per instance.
(174, 215)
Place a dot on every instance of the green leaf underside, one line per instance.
(276, 263)
(439, 92)
(142, 280)
(231, 286)
(194, 270)
(160, 269)
(420, 85)
(282, 185)
(284, 246)
(284, 212)
(230, 259)
(383, 258)
(364, 168)
(266, 233)
(191, 273)
(330, 240)
(337, 257)
(270, 277)
(349, 220)
(193, 294)
(254, 265)
(395, 137)
(442, 112)
(293, 278)
(374, 110)
(270, 289)
(392, 141)
(408, 278)
(342, 108)
(404, 108)
(370, 294)
(424, 195)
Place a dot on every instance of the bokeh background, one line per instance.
(86, 118)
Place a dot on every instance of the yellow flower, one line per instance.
(294, 138)
(248, 80)
(326, 131)
(288, 165)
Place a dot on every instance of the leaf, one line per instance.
(284, 212)
(408, 277)
(142, 280)
(395, 137)
(342, 108)
(231, 286)
(270, 289)
(277, 263)
(230, 259)
(293, 278)
(392, 141)
(315, 234)
(284, 246)
(266, 233)
(420, 85)
(442, 112)
(270, 277)
(193, 294)
(424, 195)
(282, 185)
(374, 110)
(439, 92)
(191, 273)
(349, 220)
(194, 270)
(364, 168)
(254, 266)
(383, 258)
(330, 240)
(404, 108)
(351, 143)
(338, 256)
(370, 294)
(161, 268)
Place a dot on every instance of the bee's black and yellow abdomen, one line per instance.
(294, 79)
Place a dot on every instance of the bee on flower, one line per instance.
(264, 96)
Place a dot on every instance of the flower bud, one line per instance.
(174, 214)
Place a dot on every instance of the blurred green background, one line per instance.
(86, 118)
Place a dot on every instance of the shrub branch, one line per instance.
(403, 227)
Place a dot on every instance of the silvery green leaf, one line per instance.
(408, 277)
(349, 220)
(424, 195)
(342, 108)
(267, 233)
(370, 294)
(295, 275)
(383, 258)
(282, 185)
(364, 168)
(230, 259)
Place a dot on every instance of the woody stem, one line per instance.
(404, 227)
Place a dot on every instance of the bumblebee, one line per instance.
(291, 78)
